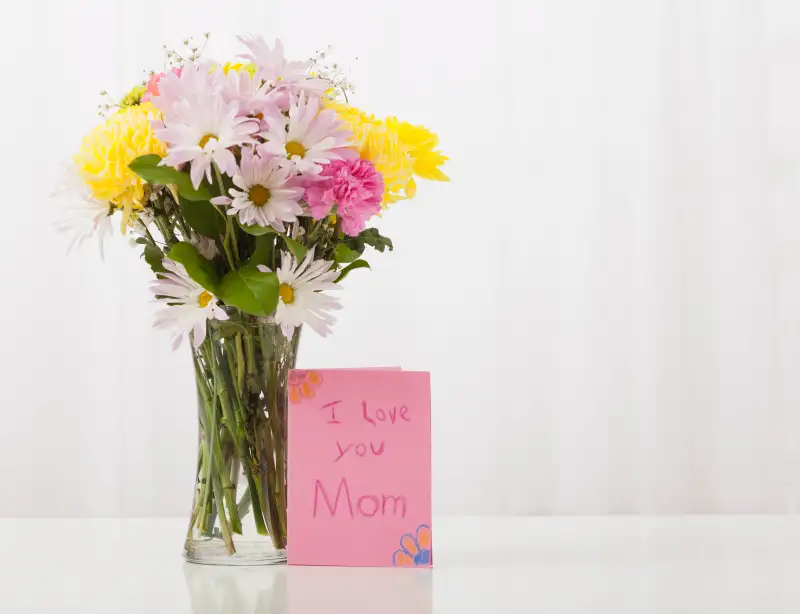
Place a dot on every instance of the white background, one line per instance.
(606, 294)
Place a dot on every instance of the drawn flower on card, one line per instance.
(302, 385)
(414, 551)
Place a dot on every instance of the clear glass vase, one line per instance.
(239, 505)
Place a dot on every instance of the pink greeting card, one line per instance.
(359, 468)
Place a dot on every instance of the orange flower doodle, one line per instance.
(302, 385)
(414, 551)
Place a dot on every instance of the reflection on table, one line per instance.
(308, 590)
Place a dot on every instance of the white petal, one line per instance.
(199, 334)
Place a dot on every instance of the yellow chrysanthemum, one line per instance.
(358, 122)
(387, 152)
(421, 144)
(398, 150)
(107, 151)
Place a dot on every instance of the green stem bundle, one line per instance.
(241, 469)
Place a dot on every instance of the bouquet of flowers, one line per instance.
(248, 187)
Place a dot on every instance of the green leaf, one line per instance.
(250, 290)
(153, 256)
(199, 268)
(202, 217)
(298, 249)
(264, 248)
(256, 230)
(358, 264)
(147, 167)
(370, 237)
(345, 254)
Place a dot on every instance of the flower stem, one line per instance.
(229, 232)
(235, 421)
(223, 522)
(240, 366)
(250, 351)
(149, 236)
(219, 459)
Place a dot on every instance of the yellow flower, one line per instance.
(249, 67)
(107, 151)
(387, 152)
(133, 97)
(358, 122)
(398, 150)
(421, 143)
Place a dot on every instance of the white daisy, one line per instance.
(301, 298)
(281, 76)
(200, 130)
(266, 196)
(188, 305)
(309, 137)
(87, 217)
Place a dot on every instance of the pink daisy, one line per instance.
(282, 76)
(309, 138)
(152, 84)
(199, 126)
(251, 95)
(192, 82)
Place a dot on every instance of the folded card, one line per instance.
(359, 468)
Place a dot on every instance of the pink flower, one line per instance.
(282, 77)
(152, 85)
(354, 186)
(253, 98)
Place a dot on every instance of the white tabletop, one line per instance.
(486, 565)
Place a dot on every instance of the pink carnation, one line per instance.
(354, 186)
(152, 84)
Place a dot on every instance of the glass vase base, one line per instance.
(213, 552)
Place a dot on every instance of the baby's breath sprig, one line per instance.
(107, 104)
(331, 71)
(172, 59)
(192, 52)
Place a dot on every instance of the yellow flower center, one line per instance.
(293, 148)
(286, 292)
(204, 299)
(258, 195)
(332, 218)
(206, 138)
